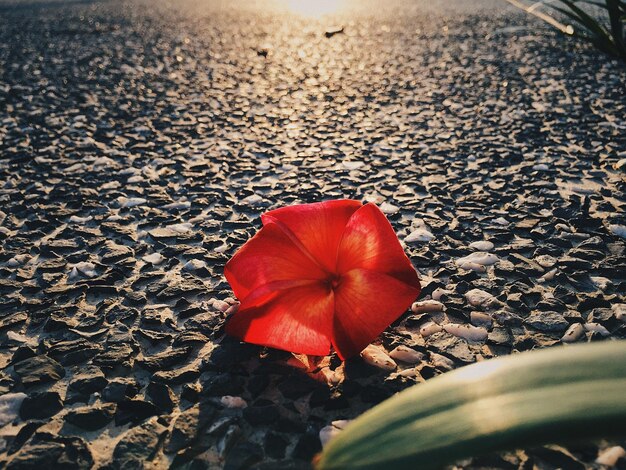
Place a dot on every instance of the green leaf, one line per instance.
(547, 18)
(528, 399)
(617, 29)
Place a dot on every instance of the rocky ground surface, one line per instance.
(140, 142)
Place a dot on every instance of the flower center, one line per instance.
(333, 281)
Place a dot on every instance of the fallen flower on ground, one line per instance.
(322, 274)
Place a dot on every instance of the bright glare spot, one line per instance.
(479, 371)
(313, 8)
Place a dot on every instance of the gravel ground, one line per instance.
(140, 142)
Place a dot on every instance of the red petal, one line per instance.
(367, 302)
(369, 242)
(267, 257)
(297, 319)
(318, 227)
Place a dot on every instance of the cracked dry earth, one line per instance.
(140, 142)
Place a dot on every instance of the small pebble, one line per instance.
(430, 328)
(439, 292)
(421, 234)
(427, 306)
(618, 230)
(610, 456)
(478, 258)
(573, 333)
(597, 328)
(377, 357)
(468, 332)
(352, 165)
(131, 201)
(17, 260)
(180, 228)
(388, 209)
(233, 402)
(620, 311)
(548, 276)
(80, 220)
(85, 268)
(330, 431)
(441, 361)
(406, 354)
(545, 261)
(154, 258)
(482, 245)
(480, 298)
(481, 319)
(177, 205)
(194, 265)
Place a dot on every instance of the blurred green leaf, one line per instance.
(608, 38)
(528, 399)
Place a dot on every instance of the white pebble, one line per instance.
(73, 274)
(154, 258)
(427, 306)
(610, 456)
(597, 328)
(430, 328)
(135, 179)
(421, 234)
(620, 311)
(441, 361)
(545, 261)
(501, 221)
(388, 209)
(111, 185)
(548, 276)
(541, 167)
(104, 161)
(221, 248)
(438, 293)
(619, 230)
(377, 357)
(480, 298)
(469, 266)
(600, 282)
(17, 260)
(406, 354)
(330, 431)
(352, 165)
(194, 265)
(177, 205)
(10, 406)
(180, 228)
(481, 319)
(80, 220)
(573, 333)
(252, 200)
(482, 245)
(131, 201)
(480, 258)
(220, 305)
(85, 268)
(18, 338)
(233, 402)
(468, 332)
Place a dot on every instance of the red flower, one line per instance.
(320, 274)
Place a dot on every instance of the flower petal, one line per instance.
(318, 227)
(267, 257)
(367, 302)
(369, 242)
(298, 319)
